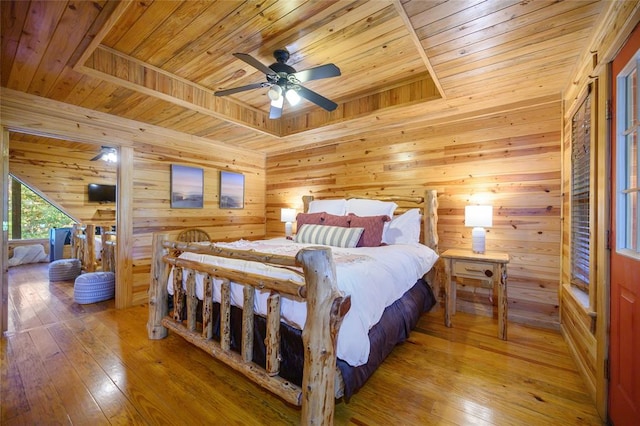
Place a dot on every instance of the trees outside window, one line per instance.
(31, 215)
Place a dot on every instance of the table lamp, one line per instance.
(478, 217)
(287, 216)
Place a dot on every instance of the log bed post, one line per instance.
(76, 230)
(158, 294)
(90, 248)
(326, 308)
(430, 228)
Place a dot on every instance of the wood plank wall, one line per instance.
(509, 159)
(152, 207)
(61, 170)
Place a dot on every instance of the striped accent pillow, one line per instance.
(336, 236)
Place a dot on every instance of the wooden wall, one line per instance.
(510, 159)
(153, 212)
(60, 171)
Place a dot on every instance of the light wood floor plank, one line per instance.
(95, 365)
(65, 379)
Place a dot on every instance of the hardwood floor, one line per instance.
(63, 363)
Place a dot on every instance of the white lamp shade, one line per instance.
(293, 97)
(287, 215)
(478, 216)
(275, 92)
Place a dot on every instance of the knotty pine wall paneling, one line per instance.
(152, 206)
(509, 159)
(61, 170)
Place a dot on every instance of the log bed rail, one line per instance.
(326, 308)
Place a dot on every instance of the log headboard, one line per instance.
(428, 203)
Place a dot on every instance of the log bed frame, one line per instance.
(326, 308)
(83, 248)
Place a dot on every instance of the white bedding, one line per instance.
(97, 247)
(375, 277)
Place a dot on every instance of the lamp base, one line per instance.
(478, 240)
(288, 229)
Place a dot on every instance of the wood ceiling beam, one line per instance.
(80, 57)
(416, 40)
(122, 70)
(110, 65)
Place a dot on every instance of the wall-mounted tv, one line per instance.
(102, 193)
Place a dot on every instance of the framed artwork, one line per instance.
(231, 190)
(187, 187)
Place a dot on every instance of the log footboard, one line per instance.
(326, 307)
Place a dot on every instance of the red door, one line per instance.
(624, 350)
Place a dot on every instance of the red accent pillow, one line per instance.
(309, 218)
(373, 227)
(334, 220)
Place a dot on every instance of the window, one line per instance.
(580, 193)
(628, 201)
(31, 215)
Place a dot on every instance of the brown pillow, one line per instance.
(373, 227)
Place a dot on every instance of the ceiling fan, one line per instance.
(284, 81)
(108, 154)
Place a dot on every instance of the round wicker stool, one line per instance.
(64, 269)
(94, 287)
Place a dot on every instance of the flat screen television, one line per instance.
(102, 193)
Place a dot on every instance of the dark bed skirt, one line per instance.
(394, 327)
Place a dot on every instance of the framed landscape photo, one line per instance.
(231, 190)
(187, 187)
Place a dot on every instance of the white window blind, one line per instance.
(580, 202)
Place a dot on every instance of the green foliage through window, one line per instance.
(37, 214)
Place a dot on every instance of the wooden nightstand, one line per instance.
(489, 268)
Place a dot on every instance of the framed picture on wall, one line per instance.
(187, 187)
(231, 190)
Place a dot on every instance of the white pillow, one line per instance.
(336, 207)
(404, 229)
(363, 207)
(336, 236)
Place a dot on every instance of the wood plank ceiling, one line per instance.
(159, 62)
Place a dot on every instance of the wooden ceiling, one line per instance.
(159, 62)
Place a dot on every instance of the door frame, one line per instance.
(4, 250)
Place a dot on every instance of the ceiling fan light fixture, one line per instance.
(275, 92)
(292, 96)
(278, 103)
(110, 157)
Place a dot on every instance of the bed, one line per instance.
(229, 298)
(94, 246)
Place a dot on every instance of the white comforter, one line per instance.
(375, 277)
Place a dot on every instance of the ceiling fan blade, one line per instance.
(276, 108)
(323, 71)
(254, 63)
(97, 157)
(316, 98)
(242, 88)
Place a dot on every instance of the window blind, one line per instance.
(580, 201)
